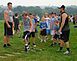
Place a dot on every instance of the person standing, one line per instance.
(64, 30)
(33, 26)
(27, 30)
(16, 23)
(8, 24)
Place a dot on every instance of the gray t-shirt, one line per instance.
(26, 23)
(10, 13)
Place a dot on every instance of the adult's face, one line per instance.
(61, 10)
(10, 6)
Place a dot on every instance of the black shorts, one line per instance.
(16, 27)
(25, 33)
(8, 31)
(65, 35)
(56, 36)
(32, 34)
(43, 32)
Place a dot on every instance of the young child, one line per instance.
(33, 26)
(52, 21)
(27, 30)
(56, 34)
(43, 26)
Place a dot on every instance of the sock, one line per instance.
(34, 44)
(55, 43)
(26, 45)
(61, 48)
(68, 49)
(58, 43)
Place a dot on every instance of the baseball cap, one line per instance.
(61, 7)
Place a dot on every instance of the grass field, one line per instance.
(43, 52)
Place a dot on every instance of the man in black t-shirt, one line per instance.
(64, 30)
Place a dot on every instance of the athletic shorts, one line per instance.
(32, 34)
(56, 36)
(16, 27)
(8, 31)
(48, 31)
(43, 32)
(65, 35)
(25, 33)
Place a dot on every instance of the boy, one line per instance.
(56, 34)
(16, 23)
(33, 26)
(27, 29)
(43, 26)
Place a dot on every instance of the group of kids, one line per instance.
(48, 24)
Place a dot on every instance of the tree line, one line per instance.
(71, 10)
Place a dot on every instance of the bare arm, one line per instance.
(63, 21)
(31, 25)
(6, 18)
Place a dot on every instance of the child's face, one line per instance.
(31, 16)
(50, 16)
(25, 16)
(56, 22)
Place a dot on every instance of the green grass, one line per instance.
(46, 54)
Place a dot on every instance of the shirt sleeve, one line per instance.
(46, 25)
(40, 25)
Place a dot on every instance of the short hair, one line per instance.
(9, 3)
(30, 14)
(16, 14)
(24, 13)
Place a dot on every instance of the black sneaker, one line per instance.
(8, 45)
(29, 43)
(34, 45)
(4, 45)
(52, 44)
(27, 48)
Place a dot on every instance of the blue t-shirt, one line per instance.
(43, 25)
(56, 27)
(35, 20)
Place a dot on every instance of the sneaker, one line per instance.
(41, 40)
(59, 50)
(51, 44)
(51, 38)
(4, 45)
(8, 45)
(67, 52)
(29, 43)
(34, 45)
(27, 48)
(45, 41)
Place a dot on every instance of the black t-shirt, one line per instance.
(66, 25)
(16, 21)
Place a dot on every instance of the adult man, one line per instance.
(8, 24)
(64, 29)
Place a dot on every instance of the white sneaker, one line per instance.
(51, 38)
(34, 46)
(41, 40)
(45, 41)
(67, 52)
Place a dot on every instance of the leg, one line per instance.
(5, 41)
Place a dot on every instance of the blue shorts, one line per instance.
(48, 32)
